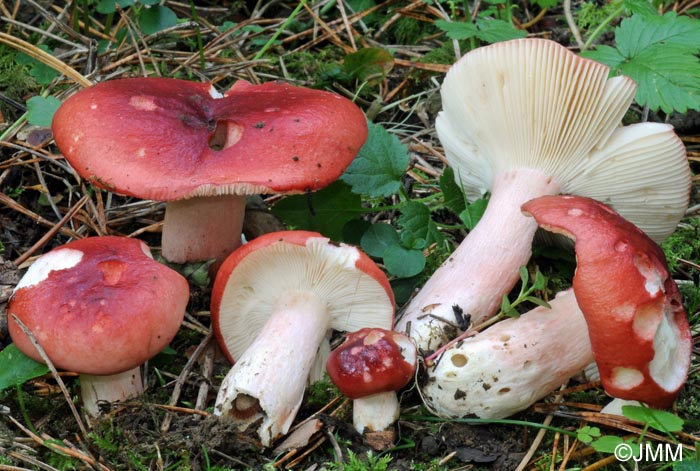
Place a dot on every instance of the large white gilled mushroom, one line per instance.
(274, 302)
(507, 367)
(526, 118)
(636, 321)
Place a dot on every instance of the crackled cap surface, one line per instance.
(168, 139)
(372, 361)
(637, 324)
(262, 273)
(99, 305)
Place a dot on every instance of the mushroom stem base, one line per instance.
(376, 412)
(112, 388)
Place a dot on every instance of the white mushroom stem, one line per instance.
(267, 382)
(484, 267)
(111, 388)
(202, 228)
(375, 413)
(512, 364)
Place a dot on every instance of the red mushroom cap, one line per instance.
(372, 361)
(637, 324)
(168, 139)
(99, 305)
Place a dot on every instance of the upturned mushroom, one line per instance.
(526, 118)
(100, 306)
(184, 143)
(369, 367)
(275, 301)
(636, 321)
(510, 365)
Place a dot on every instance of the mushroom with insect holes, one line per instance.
(510, 365)
(526, 118)
(202, 152)
(100, 306)
(275, 301)
(636, 321)
(369, 367)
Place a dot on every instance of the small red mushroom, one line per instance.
(100, 306)
(637, 324)
(369, 367)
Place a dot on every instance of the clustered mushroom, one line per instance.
(274, 303)
(100, 306)
(526, 118)
(202, 152)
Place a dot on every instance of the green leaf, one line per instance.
(607, 443)
(370, 63)
(379, 166)
(40, 110)
(157, 18)
(457, 30)
(586, 434)
(538, 301)
(16, 368)
(471, 216)
(493, 31)
(451, 192)
(378, 238)
(354, 229)
(110, 6)
(660, 54)
(415, 218)
(42, 73)
(402, 262)
(325, 211)
(658, 419)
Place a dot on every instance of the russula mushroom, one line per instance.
(100, 306)
(184, 143)
(369, 367)
(636, 321)
(525, 118)
(274, 302)
(510, 365)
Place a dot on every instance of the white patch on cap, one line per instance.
(93, 106)
(653, 277)
(143, 103)
(60, 259)
(141, 152)
(214, 93)
(626, 378)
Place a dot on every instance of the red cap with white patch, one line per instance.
(372, 361)
(636, 321)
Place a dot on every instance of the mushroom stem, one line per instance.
(375, 413)
(269, 386)
(514, 363)
(202, 228)
(111, 388)
(483, 268)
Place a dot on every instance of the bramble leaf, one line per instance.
(488, 30)
(379, 166)
(660, 54)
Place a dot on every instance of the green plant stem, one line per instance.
(599, 29)
(23, 408)
(284, 25)
(200, 45)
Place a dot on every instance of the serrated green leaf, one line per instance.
(451, 192)
(457, 30)
(42, 73)
(493, 30)
(402, 262)
(370, 63)
(379, 166)
(325, 211)
(40, 110)
(658, 419)
(156, 18)
(641, 7)
(378, 238)
(415, 218)
(473, 213)
(17, 368)
(660, 54)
